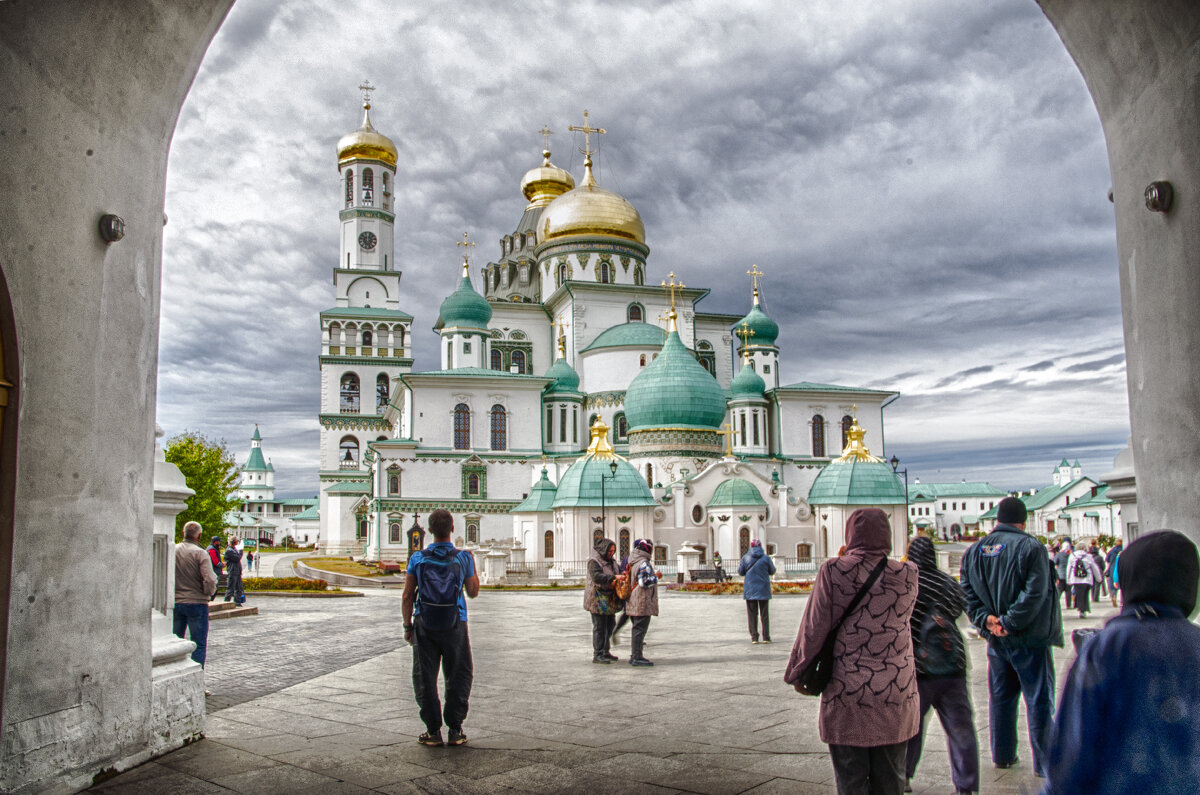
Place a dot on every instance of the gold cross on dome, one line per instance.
(745, 333)
(671, 288)
(587, 129)
(754, 273)
(561, 337)
(467, 246)
(728, 434)
(366, 88)
(546, 133)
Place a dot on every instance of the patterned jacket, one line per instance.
(643, 599)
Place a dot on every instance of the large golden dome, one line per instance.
(366, 143)
(591, 210)
(545, 183)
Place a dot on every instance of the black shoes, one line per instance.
(456, 737)
(640, 662)
(601, 659)
(1007, 765)
(611, 657)
(434, 739)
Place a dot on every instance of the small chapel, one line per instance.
(575, 397)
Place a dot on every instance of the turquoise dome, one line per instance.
(564, 375)
(735, 492)
(747, 384)
(857, 482)
(674, 391)
(580, 485)
(465, 308)
(541, 497)
(766, 330)
(629, 334)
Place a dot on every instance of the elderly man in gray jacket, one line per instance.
(195, 584)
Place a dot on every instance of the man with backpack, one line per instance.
(435, 624)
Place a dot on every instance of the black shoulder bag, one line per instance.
(814, 678)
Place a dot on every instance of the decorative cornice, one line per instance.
(454, 506)
(354, 422)
(398, 361)
(382, 215)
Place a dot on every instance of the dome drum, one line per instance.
(692, 442)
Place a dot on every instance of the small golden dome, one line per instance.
(591, 210)
(366, 143)
(545, 183)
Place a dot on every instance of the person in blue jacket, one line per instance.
(756, 570)
(1129, 716)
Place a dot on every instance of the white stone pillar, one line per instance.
(517, 554)
(687, 558)
(495, 566)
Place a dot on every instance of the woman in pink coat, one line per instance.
(871, 708)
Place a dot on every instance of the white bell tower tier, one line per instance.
(367, 166)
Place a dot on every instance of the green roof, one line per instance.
(350, 487)
(580, 485)
(464, 308)
(1099, 499)
(256, 437)
(1048, 495)
(629, 334)
(857, 482)
(972, 489)
(747, 384)
(243, 519)
(255, 462)
(476, 372)
(299, 501)
(766, 330)
(809, 386)
(990, 513)
(673, 391)
(366, 311)
(1064, 463)
(735, 492)
(310, 512)
(541, 498)
(564, 375)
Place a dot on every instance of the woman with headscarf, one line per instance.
(756, 570)
(870, 709)
(1129, 716)
(941, 660)
(643, 598)
(600, 599)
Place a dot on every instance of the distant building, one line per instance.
(263, 518)
(947, 509)
(1074, 505)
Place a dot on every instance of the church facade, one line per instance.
(580, 392)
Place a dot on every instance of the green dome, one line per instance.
(857, 482)
(580, 484)
(674, 391)
(747, 384)
(465, 308)
(564, 375)
(541, 497)
(629, 334)
(735, 492)
(766, 330)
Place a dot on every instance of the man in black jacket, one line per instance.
(1012, 601)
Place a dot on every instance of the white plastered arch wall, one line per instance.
(106, 112)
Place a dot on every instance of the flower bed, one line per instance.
(283, 584)
(718, 588)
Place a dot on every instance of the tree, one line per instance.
(211, 472)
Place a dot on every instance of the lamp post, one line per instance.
(895, 462)
(612, 467)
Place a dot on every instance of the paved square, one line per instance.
(314, 695)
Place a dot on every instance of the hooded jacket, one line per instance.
(872, 696)
(756, 569)
(643, 599)
(1007, 574)
(601, 572)
(1093, 575)
(938, 591)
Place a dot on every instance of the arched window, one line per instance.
(472, 532)
(597, 534)
(623, 543)
(394, 533)
(383, 391)
(393, 485)
(349, 394)
(754, 423)
(804, 553)
(473, 485)
(518, 360)
(660, 556)
(697, 513)
(847, 421)
(348, 455)
(549, 424)
(634, 313)
(622, 426)
(462, 427)
(499, 428)
(368, 186)
(743, 417)
(605, 273)
(703, 550)
(638, 276)
(362, 530)
(368, 339)
(387, 192)
(743, 541)
(818, 435)
(562, 273)
(548, 545)
(349, 187)
(497, 359)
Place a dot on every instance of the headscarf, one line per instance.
(602, 545)
(921, 552)
(644, 545)
(868, 531)
(1161, 567)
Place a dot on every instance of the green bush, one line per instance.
(283, 584)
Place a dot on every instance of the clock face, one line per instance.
(367, 240)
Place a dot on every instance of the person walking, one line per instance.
(870, 709)
(435, 624)
(233, 574)
(1110, 567)
(756, 570)
(643, 599)
(1129, 717)
(1098, 588)
(941, 660)
(600, 599)
(195, 584)
(249, 560)
(1060, 570)
(1082, 574)
(1011, 599)
(614, 637)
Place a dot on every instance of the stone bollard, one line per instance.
(687, 558)
(495, 566)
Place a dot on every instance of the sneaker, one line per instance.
(754, 640)
(432, 739)
(611, 657)
(766, 640)
(600, 659)
(456, 737)
(640, 662)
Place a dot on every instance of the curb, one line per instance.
(305, 594)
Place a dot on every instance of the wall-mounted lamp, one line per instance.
(1158, 196)
(112, 228)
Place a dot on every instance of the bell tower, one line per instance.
(367, 166)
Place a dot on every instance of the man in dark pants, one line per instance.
(1011, 599)
(449, 648)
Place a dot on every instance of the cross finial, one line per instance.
(754, 273)
(366, 88)
(561, 337)
(467, 246)
(671, 288)
(745, 332)
(546, 133)
(587, 129)
(728, 434)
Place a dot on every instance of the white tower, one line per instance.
(257, 482)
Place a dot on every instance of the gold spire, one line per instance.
(600, 448)
(856, 449)
(754, 273)
(467, 246)
(728, 434)
(745, 333)
(561, 337)
(671, 288)
(587, 129)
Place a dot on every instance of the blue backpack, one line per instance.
(439, 583)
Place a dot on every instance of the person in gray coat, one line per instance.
(756, 570)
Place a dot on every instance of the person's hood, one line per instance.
(756, 552)
(867, 530)
(439, 549)
(922, 552)
(1161, 567)
(599, 549)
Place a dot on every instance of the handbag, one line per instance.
(622, 587)
(814, 677)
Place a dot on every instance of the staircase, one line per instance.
(217, 610)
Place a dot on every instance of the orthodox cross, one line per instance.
(671, 289)
(467, 246)
(561, 336)
(745, 333)
(754, 273)
(728, 434)
(587, 129)
(366, 88)
(546, 133)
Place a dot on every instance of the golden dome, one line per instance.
(591, 210)
(366, 143)
(545, 183)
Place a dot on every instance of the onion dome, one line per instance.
(465, 308)
(541, 497)
(545, 183)
(674, 391)
(857, 477)
(591, 210)
(564, 375)
(764, 330)
(367, 143)
(735, 492)
(747, 383)
(622, 485)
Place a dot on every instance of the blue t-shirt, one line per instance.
(465, 559)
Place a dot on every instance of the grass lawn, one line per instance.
(342, 566)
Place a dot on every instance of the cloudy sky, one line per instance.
(923, 181)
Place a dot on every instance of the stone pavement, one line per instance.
(322, 702)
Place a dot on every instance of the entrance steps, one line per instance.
(218, 610)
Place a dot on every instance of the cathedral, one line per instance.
(582, 392)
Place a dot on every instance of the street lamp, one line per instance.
(612, 467)
(895, 462)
